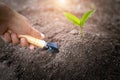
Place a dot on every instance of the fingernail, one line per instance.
(31, 47)
(42, 35)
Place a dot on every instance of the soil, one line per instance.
(95, 56)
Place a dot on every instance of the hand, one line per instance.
(18, 24)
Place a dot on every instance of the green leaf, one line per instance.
(72, 18)
(85, 17)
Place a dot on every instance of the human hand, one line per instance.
(18, 25)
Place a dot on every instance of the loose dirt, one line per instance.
(95, 56)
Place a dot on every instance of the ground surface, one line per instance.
(94, 57)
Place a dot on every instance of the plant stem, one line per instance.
(81, 32)
(81, 36)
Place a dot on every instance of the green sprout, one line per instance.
(79, 22)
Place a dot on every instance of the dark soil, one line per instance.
(94, 57)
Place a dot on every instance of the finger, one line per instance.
(31, 47)
(33, 32)
(24, 42)
(25, 28)
(15, 39)
(6, 37)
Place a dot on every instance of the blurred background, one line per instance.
(97, 57)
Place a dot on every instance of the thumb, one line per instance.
(35, 33)
(21, 25)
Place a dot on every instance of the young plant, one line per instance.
(79, 22)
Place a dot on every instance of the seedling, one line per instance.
(79, 22)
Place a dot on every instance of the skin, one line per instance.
(17, 24)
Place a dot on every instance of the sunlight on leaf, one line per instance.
(72, 18)
(79, 22)
(85, 17)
